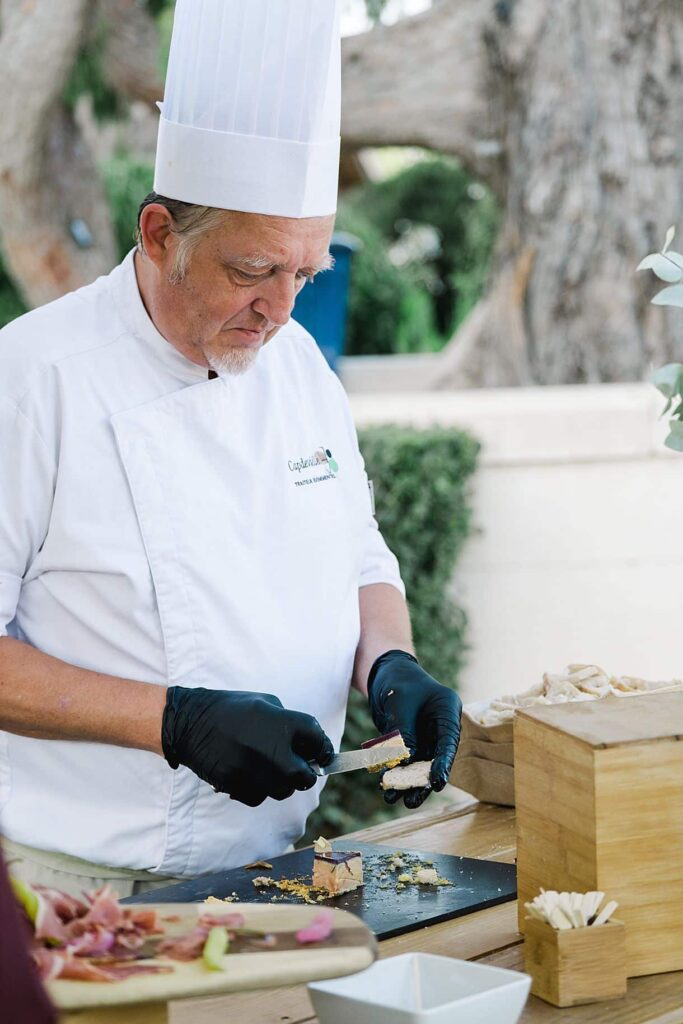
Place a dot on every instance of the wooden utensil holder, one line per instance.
(575, 965)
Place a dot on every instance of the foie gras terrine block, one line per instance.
(395, 747)
(335, 872)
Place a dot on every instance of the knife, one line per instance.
(350, 760)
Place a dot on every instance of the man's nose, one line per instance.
(276, 300)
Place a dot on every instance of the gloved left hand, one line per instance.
(403, 696)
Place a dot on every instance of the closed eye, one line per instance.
(306, 274)
(302, 275)
(246, 276)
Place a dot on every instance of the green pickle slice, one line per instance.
(26, 897)
(215, 948)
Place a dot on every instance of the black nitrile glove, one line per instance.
(243, 744)
(403, 696)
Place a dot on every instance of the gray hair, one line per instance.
(190, 224)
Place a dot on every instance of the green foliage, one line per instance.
(416, 329)
(157, 7)
(375, 8)
(386, 311)
(669, 381)
(11, 303)
(127, 182)
(421, 481)
(440, 226)
(668, 266)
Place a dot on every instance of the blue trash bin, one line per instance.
(321, 306)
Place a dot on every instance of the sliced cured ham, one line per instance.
(61, 964)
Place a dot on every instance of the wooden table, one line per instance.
(490, 936)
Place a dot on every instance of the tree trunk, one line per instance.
(131, 51)
(572, 112)
(55, 223)
(49, 186)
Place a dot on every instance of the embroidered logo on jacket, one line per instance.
(321, 458)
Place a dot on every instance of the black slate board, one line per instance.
(384, 909)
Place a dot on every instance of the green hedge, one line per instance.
(421, 481)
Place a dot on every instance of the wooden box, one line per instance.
(579, 965)
(599, 795)
(484, 765)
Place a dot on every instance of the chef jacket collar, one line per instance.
(139, 323)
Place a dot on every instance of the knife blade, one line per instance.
(351, 760)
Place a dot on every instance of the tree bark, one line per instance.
(130, 59)
(55, 227)
(49, 185)
(572, 112)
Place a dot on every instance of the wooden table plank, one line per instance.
(477, 830)
(389, 831)
(484, 832)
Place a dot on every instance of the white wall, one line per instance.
(578, 555)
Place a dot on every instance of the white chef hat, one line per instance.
(251, 111)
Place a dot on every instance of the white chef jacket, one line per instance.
(159, 526)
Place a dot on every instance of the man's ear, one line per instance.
(157, 238)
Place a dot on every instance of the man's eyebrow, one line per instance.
(253, 262)
(260, 262)
(326, 264)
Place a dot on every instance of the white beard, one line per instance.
(233, 362)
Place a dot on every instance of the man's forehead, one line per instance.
(258, 241)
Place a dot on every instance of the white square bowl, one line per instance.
(418, 988)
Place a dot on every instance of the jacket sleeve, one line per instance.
(27, 476)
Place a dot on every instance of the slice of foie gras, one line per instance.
(410, 776)
(395, 747)
(337, 872)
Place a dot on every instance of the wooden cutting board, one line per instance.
(145, 999)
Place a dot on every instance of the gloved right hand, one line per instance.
(244, 744)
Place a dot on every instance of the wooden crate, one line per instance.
(579, 965)
(599, 795)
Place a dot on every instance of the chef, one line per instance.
(190, 572)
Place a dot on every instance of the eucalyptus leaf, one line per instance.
(669, 380)
(675, 438)
(672, 296)
(675, 257)
(669, 238)
(662, 266)
(648, 262)
(375, 8)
